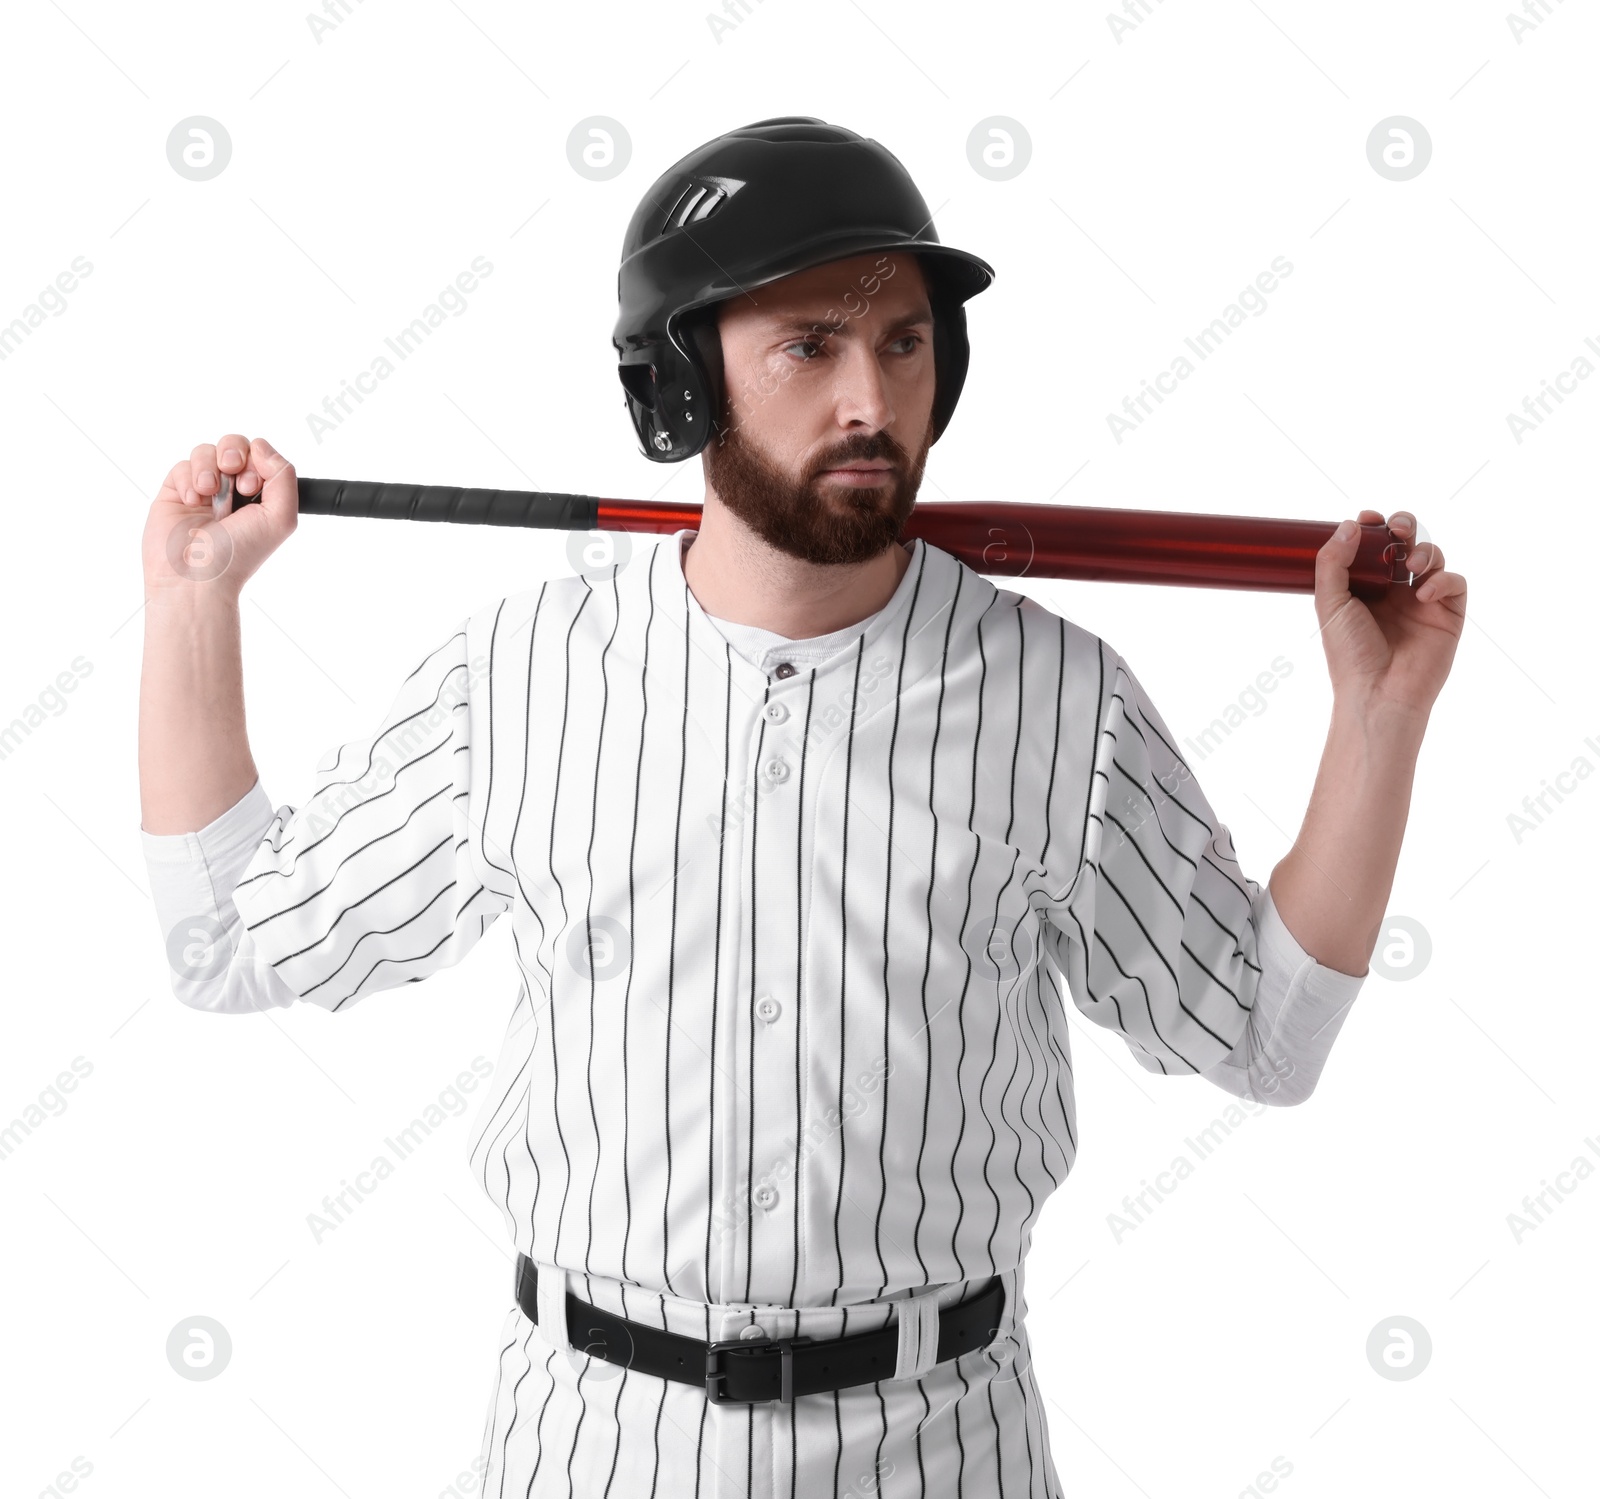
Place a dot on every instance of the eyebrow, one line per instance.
(921, 317)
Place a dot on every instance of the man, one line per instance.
(785, 814)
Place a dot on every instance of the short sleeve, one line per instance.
(1155, 933)
(374, 881)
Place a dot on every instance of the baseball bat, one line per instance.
(999, 539)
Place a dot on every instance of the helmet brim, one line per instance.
(955, 275)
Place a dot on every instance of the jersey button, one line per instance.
(768, 1008)
(765, 1195)
(785, 669)
(775, 712)
(778, 770)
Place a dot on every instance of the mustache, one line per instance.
(878, 446)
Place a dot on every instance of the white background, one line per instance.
(1167, 169)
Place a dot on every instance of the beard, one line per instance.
(814, 519)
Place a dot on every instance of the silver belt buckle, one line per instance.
(716, 1374)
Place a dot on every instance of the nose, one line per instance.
(861, 394)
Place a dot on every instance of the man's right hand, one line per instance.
(183, 547)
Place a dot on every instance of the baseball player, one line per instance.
(804, 834)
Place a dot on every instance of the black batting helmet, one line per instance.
(749, 207)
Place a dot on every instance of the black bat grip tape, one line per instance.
(443, 502)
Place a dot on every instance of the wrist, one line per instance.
(187, 595)
(1380, 718)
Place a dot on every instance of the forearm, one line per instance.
(1332, 888)
(194, 754)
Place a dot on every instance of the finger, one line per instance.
(233, 450)
(176, 485)
(1443, 586)
(279, 490)
(233, 457)
(1371, 517)
(1332, 580)
(1424, 557)
(1342, 542)
(203, 464)
(1403, 523)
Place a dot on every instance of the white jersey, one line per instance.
(790, 1048)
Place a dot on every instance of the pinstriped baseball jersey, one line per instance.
(790, 1046)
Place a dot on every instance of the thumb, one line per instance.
(1332, 582)
(280, 494)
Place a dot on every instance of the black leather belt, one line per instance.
(756, 1370)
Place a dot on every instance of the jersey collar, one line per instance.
(883, 634)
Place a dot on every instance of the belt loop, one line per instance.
(552, 1300)
(918, 1319)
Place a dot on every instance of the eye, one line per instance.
(911, 338)
(804, 343)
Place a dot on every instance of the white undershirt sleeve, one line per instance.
(192, 878)
(1299, 1008)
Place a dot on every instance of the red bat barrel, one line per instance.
(1152, 546)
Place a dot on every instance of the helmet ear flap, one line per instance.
(705, 339)
(667, 396)
(950, 356)
(639, 383)
(951, 350)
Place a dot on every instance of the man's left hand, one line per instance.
(1398, 650)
